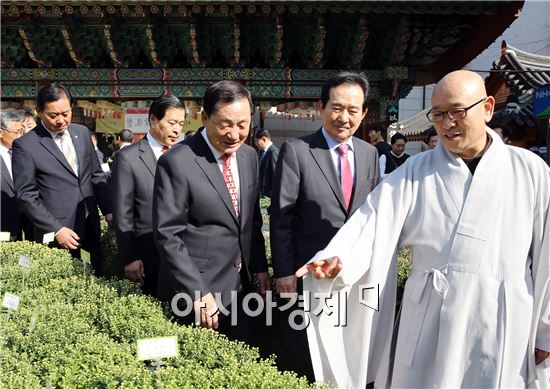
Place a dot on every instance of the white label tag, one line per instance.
(49, 237)
(24, 261)
(156, 348)
(4, 236)
(105, 167)
(10, 301)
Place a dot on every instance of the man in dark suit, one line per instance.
(268, 160)
(12, 220)
(59, 182)
(206, 217)
(133, 176)
(321, 179)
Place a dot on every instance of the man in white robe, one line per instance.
(476, 307)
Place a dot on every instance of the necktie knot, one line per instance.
(227, 159)
(343, 149)
(164, 149)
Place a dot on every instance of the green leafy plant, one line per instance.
(73, 330)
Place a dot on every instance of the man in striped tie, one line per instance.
(207, 221)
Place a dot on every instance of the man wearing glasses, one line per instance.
(13, 221)
(476, 307)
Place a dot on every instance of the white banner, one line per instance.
(136, 119)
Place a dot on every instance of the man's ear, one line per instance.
(489, 106)
(319, 106)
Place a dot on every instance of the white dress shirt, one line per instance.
(232, 164)
(58, 143)
(335, 155)
(156, 146)
(4, 152)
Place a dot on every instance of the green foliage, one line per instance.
(112, 267)
(73, 330)
(404, 267)
(265, 202)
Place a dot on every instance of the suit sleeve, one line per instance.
(170, 218)
(101, 189)
(286, 190)
(27, 192)
(271, 169)
(258, 260)
(122, 181)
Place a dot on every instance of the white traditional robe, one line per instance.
(477, 301)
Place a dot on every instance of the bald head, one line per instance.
(461, 84)
(460, 109)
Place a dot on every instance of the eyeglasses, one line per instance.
(19, 131)
(455, 113)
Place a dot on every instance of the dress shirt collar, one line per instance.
(153, 142)
(215, 152)
(332, 144)
(3, 149)
(52, 133)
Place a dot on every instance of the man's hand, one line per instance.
(324, 268)
(287, 284)
(67, 239)
(109, 219)
(264, 283)
(134, 271)
(540, 355)
(208, 310)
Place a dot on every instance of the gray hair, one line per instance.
(7, 117)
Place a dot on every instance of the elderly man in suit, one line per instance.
(206, 217)
(12, 220)
(268, 160)
(59, 182)
(132, 185)
(321, 179)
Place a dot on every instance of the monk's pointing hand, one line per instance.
(324, 268)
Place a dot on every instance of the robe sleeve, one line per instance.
(538, 376)
(350, 355)
(540, 252)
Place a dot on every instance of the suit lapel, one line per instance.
(244, 182)
(147, 156)
(209, 166)
(6, 174)
(49, 144)
(322, 156)
(360, 185)
(80, 148)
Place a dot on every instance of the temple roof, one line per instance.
(522, 71)
(288, 47)
(414, 125)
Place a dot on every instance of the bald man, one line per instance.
(476, 307)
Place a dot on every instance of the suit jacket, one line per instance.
(132, 180)
(12, 220)
(100, 156)
(308, 206)
(50, 194)
(268, 163)
(201, 241)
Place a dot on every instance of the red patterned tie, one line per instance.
(346, 178)
(230, 183)
(164, 149)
